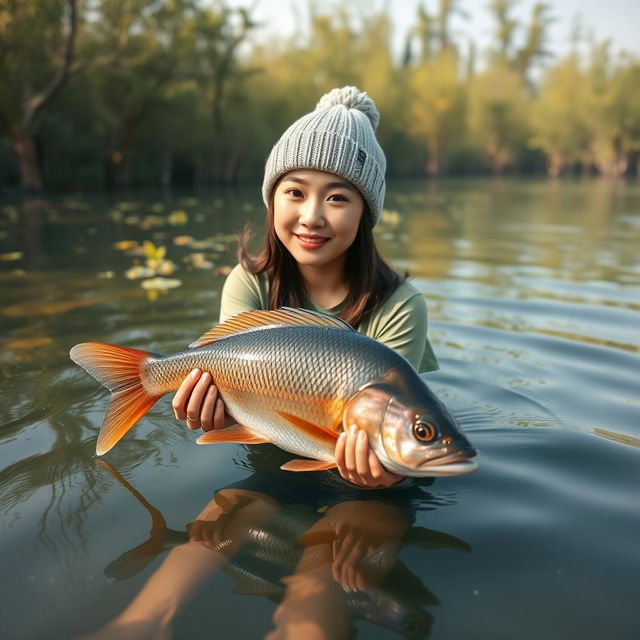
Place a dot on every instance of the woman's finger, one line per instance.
(208, 407)
(340, 453)
(361, 455)
(219, 414)
(349, 450)
(195, 401)
(181, 397)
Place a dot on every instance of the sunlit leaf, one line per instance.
(182, 241)
(13, 255)
(125, 245)
(161, 284)
(137, 272)
(178, 217)
(152, 252)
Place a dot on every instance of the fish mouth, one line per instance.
(457, 463)
(452, 464)
(451, 458)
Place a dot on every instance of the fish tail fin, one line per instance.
(119, 370)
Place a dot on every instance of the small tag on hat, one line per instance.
(362, 156)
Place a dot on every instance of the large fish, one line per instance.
(295, 378)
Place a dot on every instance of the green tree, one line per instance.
(497, 114)
(522, 57)
(135, 49)
(437, 106)
(558, 118)
(612, 101)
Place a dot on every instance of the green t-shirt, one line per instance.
(401, 322)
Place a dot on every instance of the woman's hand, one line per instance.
(358, 463)
(198, 402)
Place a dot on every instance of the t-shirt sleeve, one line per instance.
(404, 329)
(240, 292)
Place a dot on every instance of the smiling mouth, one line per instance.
(312, 241)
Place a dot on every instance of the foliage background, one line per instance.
(118, 93)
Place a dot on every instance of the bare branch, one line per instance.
(38, 102)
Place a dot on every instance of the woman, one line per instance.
(324, 191)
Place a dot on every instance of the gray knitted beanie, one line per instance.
(338, 137)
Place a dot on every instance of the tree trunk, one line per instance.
(555, 166)
(167, 169)
(433, 160)
(25, 148)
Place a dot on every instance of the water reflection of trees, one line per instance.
(492, 230)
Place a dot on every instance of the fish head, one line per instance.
(413, 434)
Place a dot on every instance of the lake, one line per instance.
(533, 290)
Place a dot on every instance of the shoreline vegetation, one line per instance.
(116, 94)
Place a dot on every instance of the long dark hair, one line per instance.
(370, 279)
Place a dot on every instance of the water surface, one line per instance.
(533, 291)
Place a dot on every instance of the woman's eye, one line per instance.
(337, 197)
(294, 193)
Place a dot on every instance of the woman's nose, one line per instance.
(312, 213)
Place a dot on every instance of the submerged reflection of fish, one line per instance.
(295, 378)
(260, 555)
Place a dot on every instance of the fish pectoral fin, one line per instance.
(235, 433)
(310, 428)
(308, 465)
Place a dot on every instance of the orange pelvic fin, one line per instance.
(118, 369)
(307, 465)
(326, 436)
(235, 433)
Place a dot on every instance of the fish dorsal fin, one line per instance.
(254, 320)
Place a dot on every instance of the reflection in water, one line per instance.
(325, 570)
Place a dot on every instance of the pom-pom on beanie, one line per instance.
(337, 137)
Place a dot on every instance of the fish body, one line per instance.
(296, 379)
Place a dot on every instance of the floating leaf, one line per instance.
(183, 241)
(199, 261)
(137, 272)
(13, 255)
(222, 271)
(128, 206)
(106, 275)
(151, 221)
(161, 284)
(125, 245)
(165, 268)
(178, 217)
(154, 253)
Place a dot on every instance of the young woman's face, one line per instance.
(316, 216)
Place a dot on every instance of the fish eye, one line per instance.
(424, 431)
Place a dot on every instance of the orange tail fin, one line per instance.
(118, 369)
